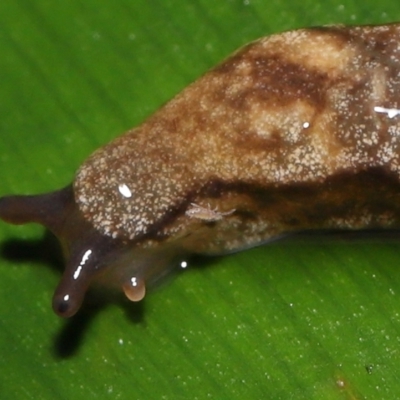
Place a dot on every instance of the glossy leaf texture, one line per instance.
(312, 317)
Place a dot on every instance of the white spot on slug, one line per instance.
(184, 264)
(85, 257)
(134, 281)
(124, 190)
(66, 297)
(391, 112)
(77, 272)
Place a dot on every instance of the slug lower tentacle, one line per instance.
(296, 131)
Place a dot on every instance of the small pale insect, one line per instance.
(206, 213)
(295, 131)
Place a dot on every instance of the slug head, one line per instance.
(90, 256)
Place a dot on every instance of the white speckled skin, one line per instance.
(291, 109)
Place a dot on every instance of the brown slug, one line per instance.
(296, 131)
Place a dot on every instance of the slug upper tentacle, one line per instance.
(296, 131)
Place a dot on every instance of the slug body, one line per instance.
(295, 131)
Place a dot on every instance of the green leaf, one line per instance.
(308, 318)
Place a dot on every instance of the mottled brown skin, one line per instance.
(295, 131)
